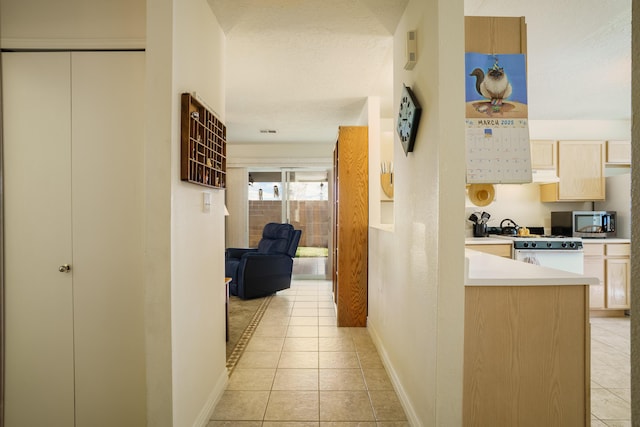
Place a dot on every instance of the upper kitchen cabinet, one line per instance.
(619, 153)
(581, 173)
(544, 154)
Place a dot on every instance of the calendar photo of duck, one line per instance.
(494, 92)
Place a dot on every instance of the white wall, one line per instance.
(197, 244)
(158, 158)
(580, 129)
(280, 154)
(416, 279)
(72, 24)
(185, 248)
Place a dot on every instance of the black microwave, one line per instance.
(585, 224)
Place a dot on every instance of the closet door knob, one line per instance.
(64, 268)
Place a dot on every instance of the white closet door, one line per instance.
(37, 190)
(108, 198)
(74, 195)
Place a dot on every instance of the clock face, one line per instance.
(408, 119)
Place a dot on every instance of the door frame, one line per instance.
(1, 252)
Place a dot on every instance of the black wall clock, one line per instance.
(408, 119)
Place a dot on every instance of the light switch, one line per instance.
(206, 202)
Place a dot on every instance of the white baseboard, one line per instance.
(207, 410)
(410, 412)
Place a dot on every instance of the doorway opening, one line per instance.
(299, 196)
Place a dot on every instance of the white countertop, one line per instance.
(603, 241)
(490, 270)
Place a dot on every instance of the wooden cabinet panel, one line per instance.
(581, 173)
(351, 210)
(621, 249)
(594, 267)
(619, 152)
(618, 278)
(610, 263)
(581, 170)
(593, 249)
(499, 250)
(526, 356)
(489, 34)
(544, 154)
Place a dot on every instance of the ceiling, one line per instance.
(298, 69)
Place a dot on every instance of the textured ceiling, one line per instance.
(305, 67)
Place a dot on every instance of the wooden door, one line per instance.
(352, 225)
(39, 386)
(74, 195)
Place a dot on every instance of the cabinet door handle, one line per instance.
(64, 268)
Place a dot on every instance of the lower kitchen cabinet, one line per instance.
(611, 264)
(526, 356)
(503, 250)
(617, 282)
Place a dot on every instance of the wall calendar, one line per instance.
(498, 151)
(497, 130)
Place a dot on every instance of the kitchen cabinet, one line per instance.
(529, 361)
(526, 345)
(581, 173)
(619, 152)
(74, 267)
(351, 225)
(501, 249)
(611, 264)
(544, 154)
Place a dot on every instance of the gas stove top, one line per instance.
(544, 242)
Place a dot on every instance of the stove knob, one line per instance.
(564, 244)
(549, 244)
(534, 244)
(573, 245)
(525, 244)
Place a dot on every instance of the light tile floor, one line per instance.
(610, 372)
(299, 369)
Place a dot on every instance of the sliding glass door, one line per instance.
(299, 196)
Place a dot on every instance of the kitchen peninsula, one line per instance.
(526, 340)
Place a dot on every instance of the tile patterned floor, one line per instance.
(300, 370)
(610, 372)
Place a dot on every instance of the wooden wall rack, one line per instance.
(204, 145)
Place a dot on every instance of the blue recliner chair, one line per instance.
(264, 270)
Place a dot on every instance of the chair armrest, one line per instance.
(238, 252)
